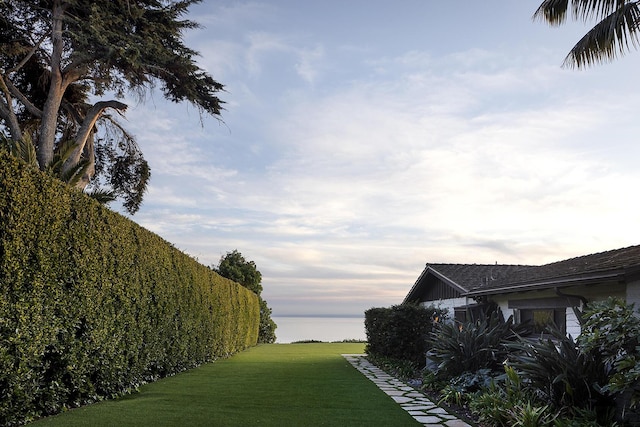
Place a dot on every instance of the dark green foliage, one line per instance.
(92, 305)
(612, 329)
(400, 332)
(469, 347)
(560, 371)
(267, 329)
(235, 267)
(598, 373)
(399, 368)
(509, 403)
(58, 57)
(460, 389)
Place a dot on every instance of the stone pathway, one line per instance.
(415, 403)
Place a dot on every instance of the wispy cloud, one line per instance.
(341, 169)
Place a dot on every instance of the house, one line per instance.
(543, 294)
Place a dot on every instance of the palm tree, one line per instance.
(615, 33)
(25, 150)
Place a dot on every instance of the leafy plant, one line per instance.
(453, 394)
(400, 332)
(579, 417)
(529, 415)
(399, 368)
(612, 330)
(460, 389)
(497, 403)
(560, 371)
(471, 346)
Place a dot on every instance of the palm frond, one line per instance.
(612, 36)
(103, 196)
(22, 149)
(596, 9)
(74, 174)
(56, 168)
(553, 12)
(25, 150)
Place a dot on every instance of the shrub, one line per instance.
(611, 330)
(460, 389)
(469, 347)
(402, 369)
(92, 305)
(400, 332)
(563, 373)
(506, 402)
(597, 374)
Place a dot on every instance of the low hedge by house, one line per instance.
(92, 305)
(400, 332)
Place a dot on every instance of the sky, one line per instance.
(363, 139)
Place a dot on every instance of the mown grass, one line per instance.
(269, 385)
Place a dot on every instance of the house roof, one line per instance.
(486, 279)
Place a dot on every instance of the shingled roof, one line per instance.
(487, 279)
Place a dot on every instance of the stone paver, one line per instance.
(415, 403)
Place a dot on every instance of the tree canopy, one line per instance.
(615, 33)
(235, 267)
(59, 58)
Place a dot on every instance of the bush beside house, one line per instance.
(92, 305)
(507, 379)
(399, 332)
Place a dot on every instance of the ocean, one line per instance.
(326, 328)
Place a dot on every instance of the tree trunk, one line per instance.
(57, 86)
(7, 113)
(84, 139)
(90, 154)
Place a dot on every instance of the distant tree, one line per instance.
(58, 57)
(614, 34)
(235, 267)
(267, 328)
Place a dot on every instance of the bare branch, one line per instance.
(7, 113)
(28, 56)
(25, 101)
(87, 127)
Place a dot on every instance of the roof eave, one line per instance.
(587, 279)
(428, 269)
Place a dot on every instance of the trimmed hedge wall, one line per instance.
(400, 332)
(93, 305)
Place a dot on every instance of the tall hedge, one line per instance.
(92, 305)
(400, 332)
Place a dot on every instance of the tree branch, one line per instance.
(7, 113)
(86, 128)
(56, 87)
(20, 64)
(20, 97)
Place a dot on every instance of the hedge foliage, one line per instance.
(400, 332)
(92, 305)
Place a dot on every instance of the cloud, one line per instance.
(342, 169)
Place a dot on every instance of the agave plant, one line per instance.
(561, 372)
(471, 346)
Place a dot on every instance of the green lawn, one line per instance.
(268, 385)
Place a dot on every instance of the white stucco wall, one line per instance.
(630, 293)
(633, 293)
(449, 304)
(573, 325)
